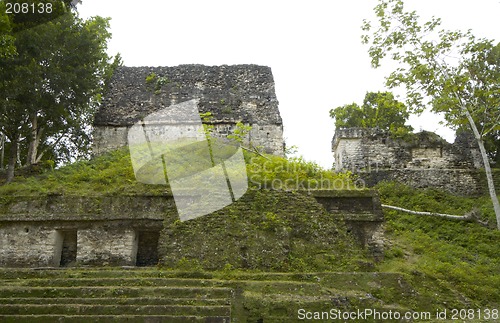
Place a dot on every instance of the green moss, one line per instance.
(430, 262)
(264, 230)
(151, 78)
(273, 172)
(253, 296)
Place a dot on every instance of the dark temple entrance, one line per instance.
(69, 248)
(147, 248)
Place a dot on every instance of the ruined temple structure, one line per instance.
(129, 230)
(424, 160)
(239, 93)
(59, 230)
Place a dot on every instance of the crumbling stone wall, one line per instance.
(42, 243)
(240, 93)
(267, 229)
(362, 213)
(58, 230)
(106, 245)
(261, 229)
(424, 160)
(25, 244)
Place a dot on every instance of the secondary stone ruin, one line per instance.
(232, 94)
(424, 160)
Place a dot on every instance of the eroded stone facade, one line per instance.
(60, 231)
(49, 243)
(239, 93)
(425, 160)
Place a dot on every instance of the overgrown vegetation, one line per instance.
(449, 72)
(458, 256)
(273, 172)
(446, 263)
(112, 173)
(265, 230)
(54, 70)
(155, 82)
(379, 110)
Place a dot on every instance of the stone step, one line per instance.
(134, 272)
(115, 272)
(116, 282)
(112, 319)
(353, 279)
(75, 295)
(112, 291)
(93, 309)
(124, 283)
(118, 301)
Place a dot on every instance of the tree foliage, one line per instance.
(51, 83)
(452, 72)
(379, 110)
(7, 47)
(37, 12)
(492, 145)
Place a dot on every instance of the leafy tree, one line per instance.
(36, 12)
(451, 72)
(492, 145)
(51, 85)
(379, 110)
(7, 47)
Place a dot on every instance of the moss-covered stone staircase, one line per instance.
(151, 295)
(111, 296)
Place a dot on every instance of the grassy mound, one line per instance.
(264, 230)
(458, 256)
(112, 173)
(442, 263)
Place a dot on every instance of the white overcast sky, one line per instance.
(313, 48)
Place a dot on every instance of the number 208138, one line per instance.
(24, 7)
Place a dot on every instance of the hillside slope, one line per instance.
(430, 263)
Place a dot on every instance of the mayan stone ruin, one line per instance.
(59, 230)
(238, 93)
(425, 160)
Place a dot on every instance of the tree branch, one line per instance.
(255, 151)
(494, 125)
(39, 157)
(471, 216)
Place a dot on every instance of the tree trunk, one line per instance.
(34, 140)
(12, 159)
(487, 167)
(442, 215)
(2, 154)
(471, 216)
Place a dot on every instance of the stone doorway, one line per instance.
(68, 245)
(147, 248)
